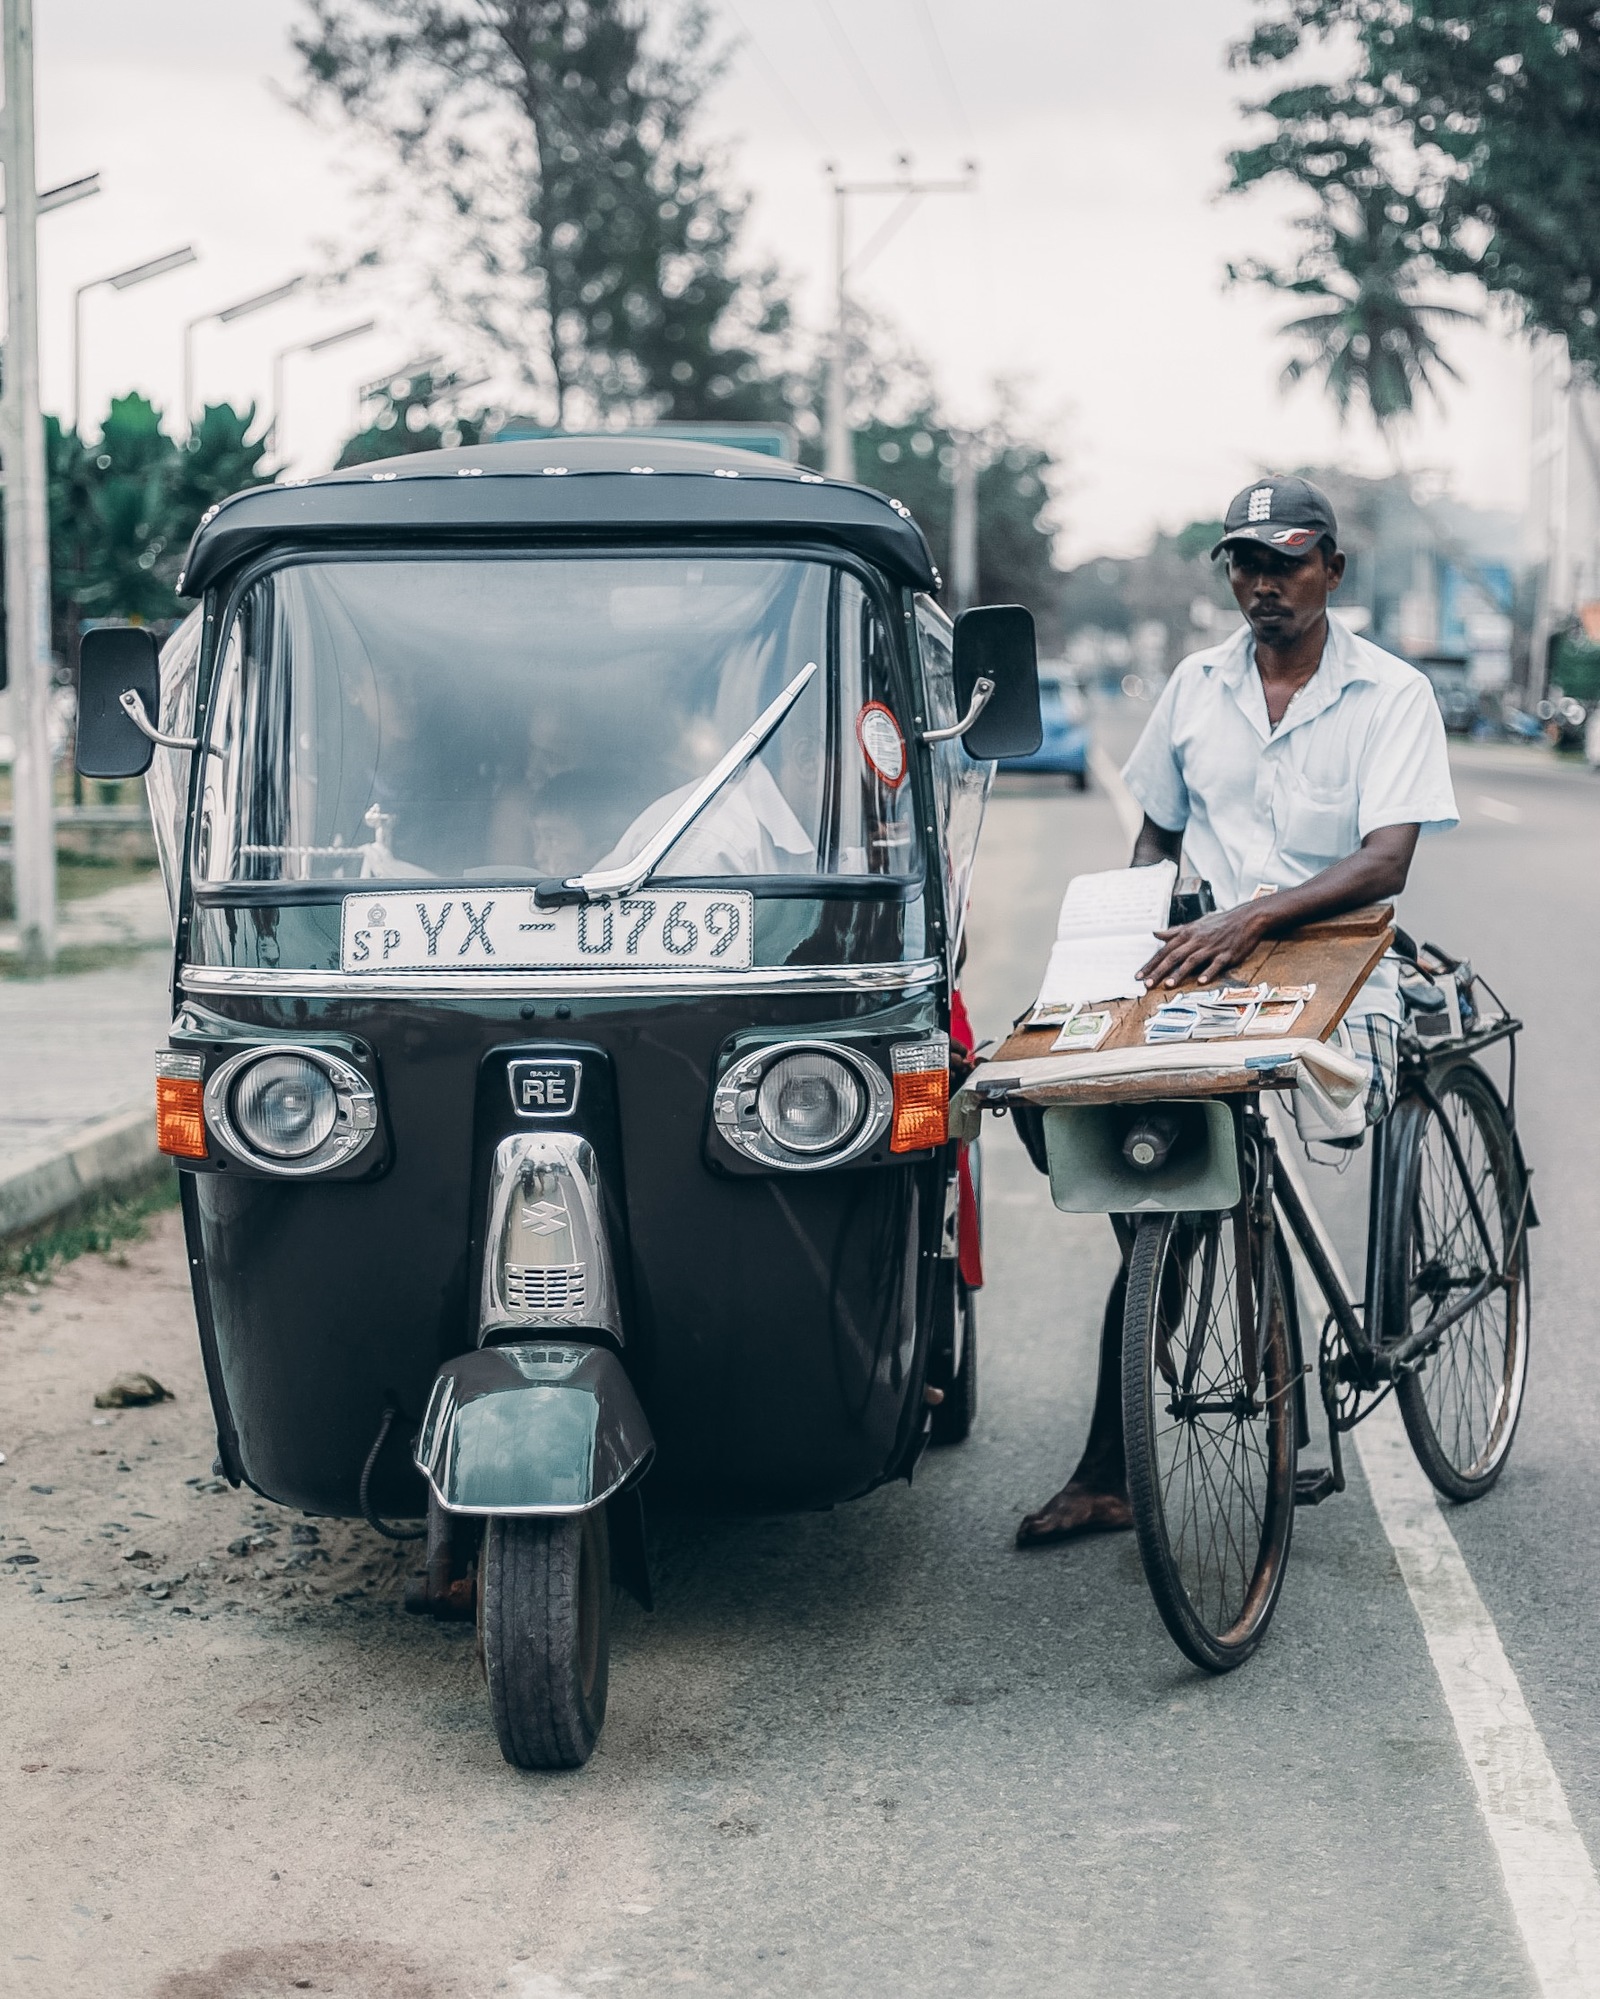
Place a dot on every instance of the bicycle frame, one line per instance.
(1378, 1344)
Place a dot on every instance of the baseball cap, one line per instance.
(1289, 516)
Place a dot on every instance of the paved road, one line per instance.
(77, 1048)
(867, 1752)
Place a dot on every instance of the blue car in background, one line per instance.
(1065, 749)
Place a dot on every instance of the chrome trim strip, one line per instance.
(535, 984)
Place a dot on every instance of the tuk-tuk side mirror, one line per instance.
(112, 662)
(995, 642)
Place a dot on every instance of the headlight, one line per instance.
(290, 1111)
(803, 1105)
(810, 1103)
(284, 1106)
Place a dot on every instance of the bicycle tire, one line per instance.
(1187, 1481)
(1461, 1407)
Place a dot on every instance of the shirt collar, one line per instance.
(1343, 660)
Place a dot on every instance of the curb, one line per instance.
(109, 1156)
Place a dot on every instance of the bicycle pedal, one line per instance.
(1311, 1488)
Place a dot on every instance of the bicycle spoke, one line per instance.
(1212, 1466)
(1463, 1227)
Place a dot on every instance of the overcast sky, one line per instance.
(1089, 265)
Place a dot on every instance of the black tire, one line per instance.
(954, 1417)
(545, 1609)
(1461, 1406)
(1080, 779)
(1212, 1488)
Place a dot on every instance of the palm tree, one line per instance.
(1370, 338)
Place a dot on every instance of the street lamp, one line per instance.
(65, 195)
(226, 317)
(275, 428)
(119, 281)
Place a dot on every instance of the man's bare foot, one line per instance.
(1076, 1509)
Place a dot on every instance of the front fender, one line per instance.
(532, 1427)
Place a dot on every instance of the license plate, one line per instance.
(468, 930)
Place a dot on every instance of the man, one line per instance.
(1298, 759)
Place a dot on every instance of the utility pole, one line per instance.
(27, 550)
(838, 449)
(964, 522)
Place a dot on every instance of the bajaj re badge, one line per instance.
(544, 1089)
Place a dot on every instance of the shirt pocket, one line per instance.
(1317, 825)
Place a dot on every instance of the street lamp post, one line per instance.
(119, 281)
(27, 546)
(838, 451)
(225, 317)
(275, 428)
(69, 191)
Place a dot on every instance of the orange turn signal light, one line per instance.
(180, 1107)
(921, 1095)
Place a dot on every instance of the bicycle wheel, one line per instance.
(1461, 1218)
(1210, 1439)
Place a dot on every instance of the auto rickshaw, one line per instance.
(568, 847)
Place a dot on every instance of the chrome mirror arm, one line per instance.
(131, 705)
(601, 886)
(982, 693)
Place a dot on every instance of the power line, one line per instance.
(941, 65)
(863, 76)
(796, 109)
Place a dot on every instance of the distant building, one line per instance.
(1564, 504)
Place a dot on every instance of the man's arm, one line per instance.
(1205, 950)
(1155, 844)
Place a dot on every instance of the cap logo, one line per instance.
(1293, 537)
(1260, 504)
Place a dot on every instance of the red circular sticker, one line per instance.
(882, 744)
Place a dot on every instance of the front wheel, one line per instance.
(954, 1417)
(1462, 1235)
(1209, 1427)
(545, 1620)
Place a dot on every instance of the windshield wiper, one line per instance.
(601, 884)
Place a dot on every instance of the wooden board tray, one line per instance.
(1335, 956)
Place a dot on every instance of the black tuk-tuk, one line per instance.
(568, 846)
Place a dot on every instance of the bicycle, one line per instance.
(1214, 1402)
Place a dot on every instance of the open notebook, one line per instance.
(1105, 932)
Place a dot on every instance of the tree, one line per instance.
(409, 418)
(914, 462)
(122, 510)
(542, 165)
(1463, 136)
(1369, 336)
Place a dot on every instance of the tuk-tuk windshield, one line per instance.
(515, 718)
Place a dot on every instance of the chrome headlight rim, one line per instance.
(733, 1106)
(355, 1121)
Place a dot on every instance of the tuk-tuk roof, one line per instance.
(610, 487)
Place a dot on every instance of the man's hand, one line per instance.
(1204, 950)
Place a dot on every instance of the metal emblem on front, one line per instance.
(541, 1089)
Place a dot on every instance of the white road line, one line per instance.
(1549, 1876)
(1130, 813)
(1499, 808)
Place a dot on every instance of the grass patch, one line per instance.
(81, 874)
(77, 958)
(101, 1224)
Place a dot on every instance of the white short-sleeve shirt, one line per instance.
(1360, 746)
